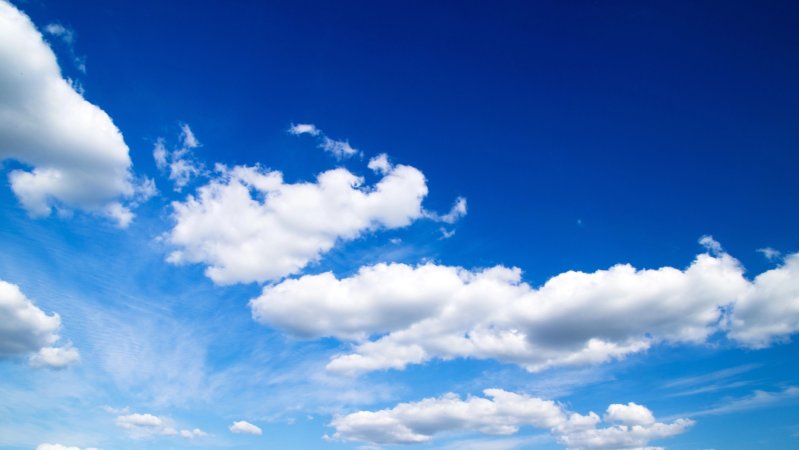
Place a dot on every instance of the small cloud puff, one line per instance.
(244, 427)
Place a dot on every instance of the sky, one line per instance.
(375, 225)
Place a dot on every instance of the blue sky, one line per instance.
(304, 225)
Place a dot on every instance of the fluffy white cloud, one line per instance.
(55, 357)
(434, 311)
(24, 328)
(304, 128)
(242, 426)
(179, 163)
(503, 413)
(768, 310)
(147, 425)
(60, 447)
(248, 225)
(73, 155)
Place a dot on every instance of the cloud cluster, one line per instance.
(339, 149)
(500, 412)
(247, 224)
(72, 154)
(60, 447)
(141, 426)
(244, 427)
(24, 328)
(178, 163)
(397, 314)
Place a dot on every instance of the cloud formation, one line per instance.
(60, 447)
(244, 427)
(179, 164)
(24, 328)
(339, 149)
(247, 224)
(500, 412)
(396, 314)
(72, 155)
(141, 426)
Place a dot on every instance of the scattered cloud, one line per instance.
(179, 163)
(500, 412)
(457, 211)
(244, 427)
(24, 328)
(248, 225)
(397, 314)
(72, 154)
(304, 128)
(67, 36)
(770, 253)
(61, 447)
(757, 400)
(142, 426)
(339, 149)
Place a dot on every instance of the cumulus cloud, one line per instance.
(55, 357)
(242, 426)
(179, 162)
(397, 314)
(247, 224)
(339, 149)
(141, 426)
(72, 155)
(60, 447)
(24, 328)
(768, 310)
(503, 413)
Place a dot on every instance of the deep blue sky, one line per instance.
(630, 117)
(582, 134)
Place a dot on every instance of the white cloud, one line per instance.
(24, 328)
(380, 164)
(73, 155)
(768, 310)
(179, 163)
(147, 425)
(56, 29)
(713, 246)
(770, 253)
(60, 447)
(339, 149)
(55, 357)
(248, 225)
(629, 414)
(397, 314)
(757, 400)
(242, 426)
(191, 434)
(457, 211)
(304, 128)
(503, 413)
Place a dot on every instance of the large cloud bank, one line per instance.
(396, 314)
(500, 412)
